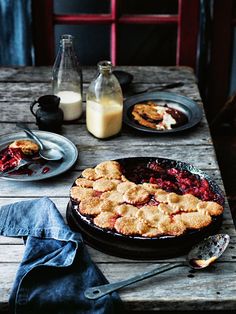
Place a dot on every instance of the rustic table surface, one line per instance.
(210, 289)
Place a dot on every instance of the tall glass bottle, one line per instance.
(104, 103)
(67, 79)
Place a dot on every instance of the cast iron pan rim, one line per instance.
(185, 236)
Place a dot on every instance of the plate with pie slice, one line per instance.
(144, 207)
(17, 146)
(161, 112)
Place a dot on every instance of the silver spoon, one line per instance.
(44, 152)
(200, 256)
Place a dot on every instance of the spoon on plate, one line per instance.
(44, 152)
(200, 256)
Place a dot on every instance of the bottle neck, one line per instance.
(66, 42)
(105, 67)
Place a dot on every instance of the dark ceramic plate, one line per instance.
(137, 247)
(190, 108)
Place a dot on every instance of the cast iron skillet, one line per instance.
(137, 247)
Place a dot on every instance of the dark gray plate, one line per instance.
(52, 140)
(189, 107)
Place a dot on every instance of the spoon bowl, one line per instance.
(199, 257)
(47, 153)
(207, 251)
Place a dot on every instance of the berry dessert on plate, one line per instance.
(15, 152)
(154, 206)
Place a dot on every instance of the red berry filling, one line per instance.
(172, 180)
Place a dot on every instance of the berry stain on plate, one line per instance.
(45, 170)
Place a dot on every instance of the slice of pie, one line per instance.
(15, 152)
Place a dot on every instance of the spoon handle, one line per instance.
(25, 128)
(99, 291)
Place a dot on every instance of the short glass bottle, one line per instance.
(67, 79)
(104, 103)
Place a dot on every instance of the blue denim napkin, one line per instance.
(56, 267)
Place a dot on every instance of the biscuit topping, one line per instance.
(114, 202)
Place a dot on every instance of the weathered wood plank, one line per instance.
(21, 93)
(216, 291)
(147, 74)
(79, 135)
(12, 252)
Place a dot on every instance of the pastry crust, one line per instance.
(211, 208)
(105, 220)
(130, 226)
(113, 196)
(124, 186)
(78, 193)
(144, 209)
(90, 174)
(126, 210)
(90, 206)
(136, 195)
(104, 185)
(27, 147)
(108, 170)
(84, 183)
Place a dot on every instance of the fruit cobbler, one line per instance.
(15, 152)
(147, 201)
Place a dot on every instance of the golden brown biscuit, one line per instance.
(136, 195)
(150, 187)
(211, 208)
(143, 121)
(126, 210)
(124, 186)
(194, 220)
(148, 110)
(186, 202)
(108, 206)
(167, 208)
(130, 226)
(28, 147)
(109, 170)
(152, 232)
(84, 183)
(78, 193)
(151, 215)
(161, 196)
(90, 206)
(105, 220)
(90, 174)
(113, 196)
(171, 226)
(104, 185)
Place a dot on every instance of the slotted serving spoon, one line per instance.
(199, 257)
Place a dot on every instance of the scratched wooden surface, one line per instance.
(176, 290)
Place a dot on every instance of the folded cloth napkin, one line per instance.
(56, 267)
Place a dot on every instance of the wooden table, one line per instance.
(211, 289)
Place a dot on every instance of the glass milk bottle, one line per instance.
(104, 103)
(67, 79)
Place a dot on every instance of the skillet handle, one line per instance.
(100, 291)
